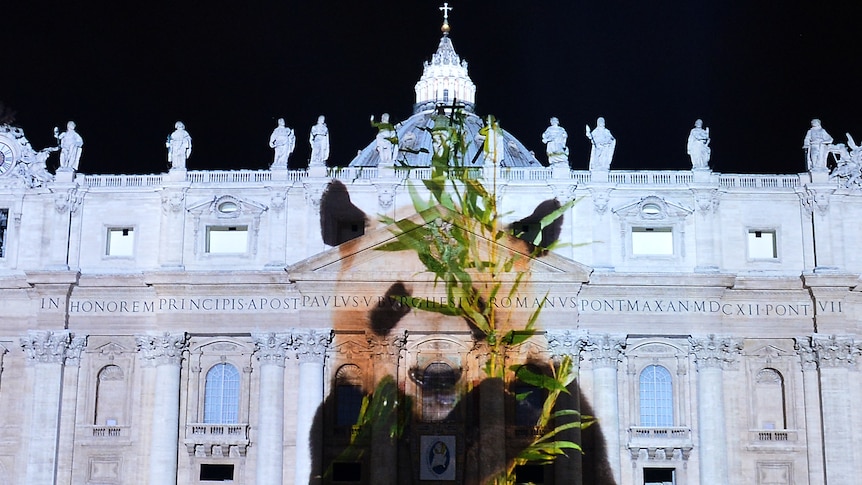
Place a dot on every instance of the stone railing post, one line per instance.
(165, 353)
(711, 355)
(271, 350)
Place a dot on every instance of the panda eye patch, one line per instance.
(389, 312)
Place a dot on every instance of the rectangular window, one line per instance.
(659, 476)
(120, 241)
(4, 221)
(762, 244)
(216, 473)
(227, 239)
(652, 241)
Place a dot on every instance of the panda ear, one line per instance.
(384, 317)
(340, 220)
(528, 228)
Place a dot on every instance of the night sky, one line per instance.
(756, 72)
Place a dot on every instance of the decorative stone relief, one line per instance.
(811, 198)
(271, 348)
(163, 349)
(172, 201)
(277, 200)
(712, 351)
(601, 198)
(563, 192)
(311, 345)
(313, 194)
(53, 347)
(386, 195)
(836, 351)
(605, 350)
(68, 200)
(707, 200)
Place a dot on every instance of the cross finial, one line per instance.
(445, 9)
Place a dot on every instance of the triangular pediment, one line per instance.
(364, 259)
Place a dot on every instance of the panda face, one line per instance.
(433, 358)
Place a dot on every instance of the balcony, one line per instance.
(216, 439)
(766, 436)
(657, 443)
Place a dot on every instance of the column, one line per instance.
(310, 347)
(384, 446)
(47, 353)
(605, 355)
(271, 349)
(165, 353)
(811, 397)
(567, 344)
(836, 357)
(711, 354)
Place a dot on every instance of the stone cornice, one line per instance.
(311, 345)
(271, 348)
(715, 352)
(163, 349)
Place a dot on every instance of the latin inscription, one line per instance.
(549, 303)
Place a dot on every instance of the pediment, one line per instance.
(364, 259)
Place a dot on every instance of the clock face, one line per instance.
(7, 157)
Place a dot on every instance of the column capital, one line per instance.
(271, 348)
(605, 350)
(806, 352)
(50, 347)
(389, 346)
(566, 343)
(162, 349)
(311, 345)
(715, 352)
(836, 350)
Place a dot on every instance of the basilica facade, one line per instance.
(196, 327)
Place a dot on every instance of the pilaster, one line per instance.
(811, 397)
(606, 352)
(712, 354)
(310, 347)
(165, 352)
(271, 350)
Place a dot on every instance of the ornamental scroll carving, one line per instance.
(715, 352)
(387, 347)
(162, 349)
(311, 345)
(836, 351)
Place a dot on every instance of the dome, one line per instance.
(415, 145)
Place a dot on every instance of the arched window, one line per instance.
(110, 396)
(221, 397)
(529, 398)
(348, 394)
(769, 399)
(656, 397)
(439, 393)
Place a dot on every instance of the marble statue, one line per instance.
(386, 140)
(816, 145)
(319, 140)
(71, 144)
(848, 164)
(698, 145)
(554, 138)
(283, 140)
(603, 148)
(179, 146)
